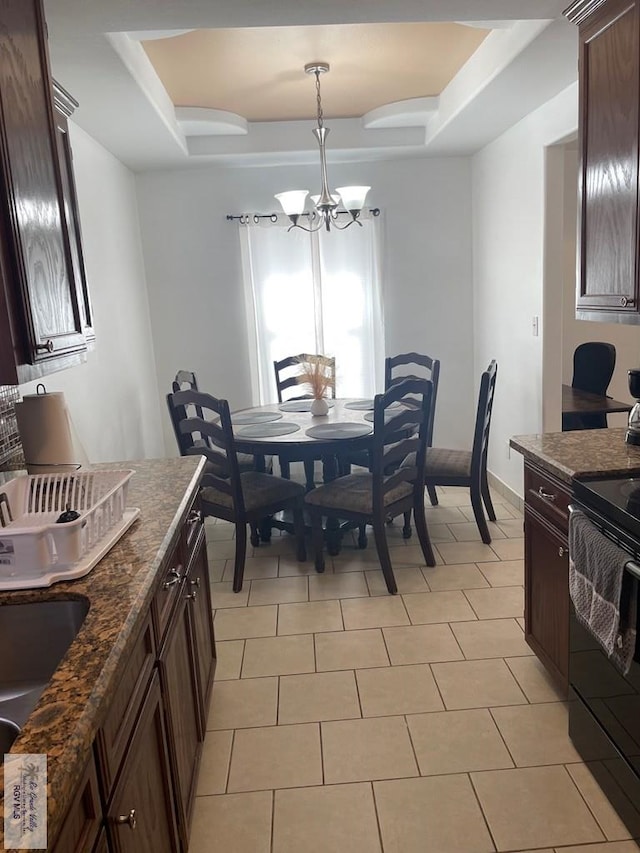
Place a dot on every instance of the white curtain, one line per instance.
(317, 293)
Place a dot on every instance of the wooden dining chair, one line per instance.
(242, 498)
(185, 380)
(444, 467)
(287, 373)
(371, 497)
(409, 365)
(415, 365)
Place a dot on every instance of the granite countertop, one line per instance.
(581, 454)
(119, 590)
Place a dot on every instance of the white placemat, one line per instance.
(367, 405)
(338, 430)
(255, 417)
(301, 405)
(360, 405)
(387, 416)
(266, 430)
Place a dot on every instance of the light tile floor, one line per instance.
(345, 719)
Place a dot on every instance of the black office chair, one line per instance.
(593, 365)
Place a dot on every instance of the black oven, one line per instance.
(604, 704)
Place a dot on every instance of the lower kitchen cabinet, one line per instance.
(148, 748)
(181, 703)
(82, 823)
(204, 647)
(546, 570)
(547, 595)
(186, 670)
(140, 817)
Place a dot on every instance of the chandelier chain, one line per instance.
(319, 100)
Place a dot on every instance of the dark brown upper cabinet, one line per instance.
(608, 247)
(45, 314)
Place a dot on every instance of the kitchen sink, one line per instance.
(9, 731)
(39, 634)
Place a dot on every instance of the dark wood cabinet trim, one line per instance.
(114, 736)
(82, 823)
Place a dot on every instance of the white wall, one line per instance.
(192, 259)
(112, 398)
(508, 272)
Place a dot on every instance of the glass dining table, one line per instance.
(290, 428)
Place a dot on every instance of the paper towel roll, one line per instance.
(46, 433)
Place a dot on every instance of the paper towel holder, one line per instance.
(49, 441)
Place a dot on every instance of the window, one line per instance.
(315, 292)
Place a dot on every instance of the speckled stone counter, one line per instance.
(119, 591)
(580, 454)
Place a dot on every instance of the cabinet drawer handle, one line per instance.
(192, 595)
(129, 819)
(561, 551)
(195, 516)
(174, 578)
(625, 302)
(547, 496)
(195, 582)
(47, 346)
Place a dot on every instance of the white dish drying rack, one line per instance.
(35, 549)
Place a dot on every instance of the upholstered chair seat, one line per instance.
(258, 490)
(355, 493)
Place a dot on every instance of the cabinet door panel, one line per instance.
(31, 188)
(202, 630)
(609, 171)
(141, 817)
(546, 608)
(179, 687)
(84, 816)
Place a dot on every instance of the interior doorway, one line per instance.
(561, 331)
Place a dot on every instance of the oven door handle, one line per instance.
(633, 568)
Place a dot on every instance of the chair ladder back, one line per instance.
(185, 380)
(399, 432)
(290, 379)
(430, 370)
(215, 432)
(483, 418)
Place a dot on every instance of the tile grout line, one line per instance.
(378, 822)
(484, 817)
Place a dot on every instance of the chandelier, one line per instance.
(325, 206)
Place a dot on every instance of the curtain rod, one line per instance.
(246, 218)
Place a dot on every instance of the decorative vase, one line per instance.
(319, 407)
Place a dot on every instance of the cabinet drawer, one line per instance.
(116, 731)
(548, 496)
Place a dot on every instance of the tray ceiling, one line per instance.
(258, 72)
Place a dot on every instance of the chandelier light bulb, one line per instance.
(293, 201)
(353, 197)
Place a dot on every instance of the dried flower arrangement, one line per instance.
(315, 373)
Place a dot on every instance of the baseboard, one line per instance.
(506, 491)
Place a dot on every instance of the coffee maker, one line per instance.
(633, 430)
